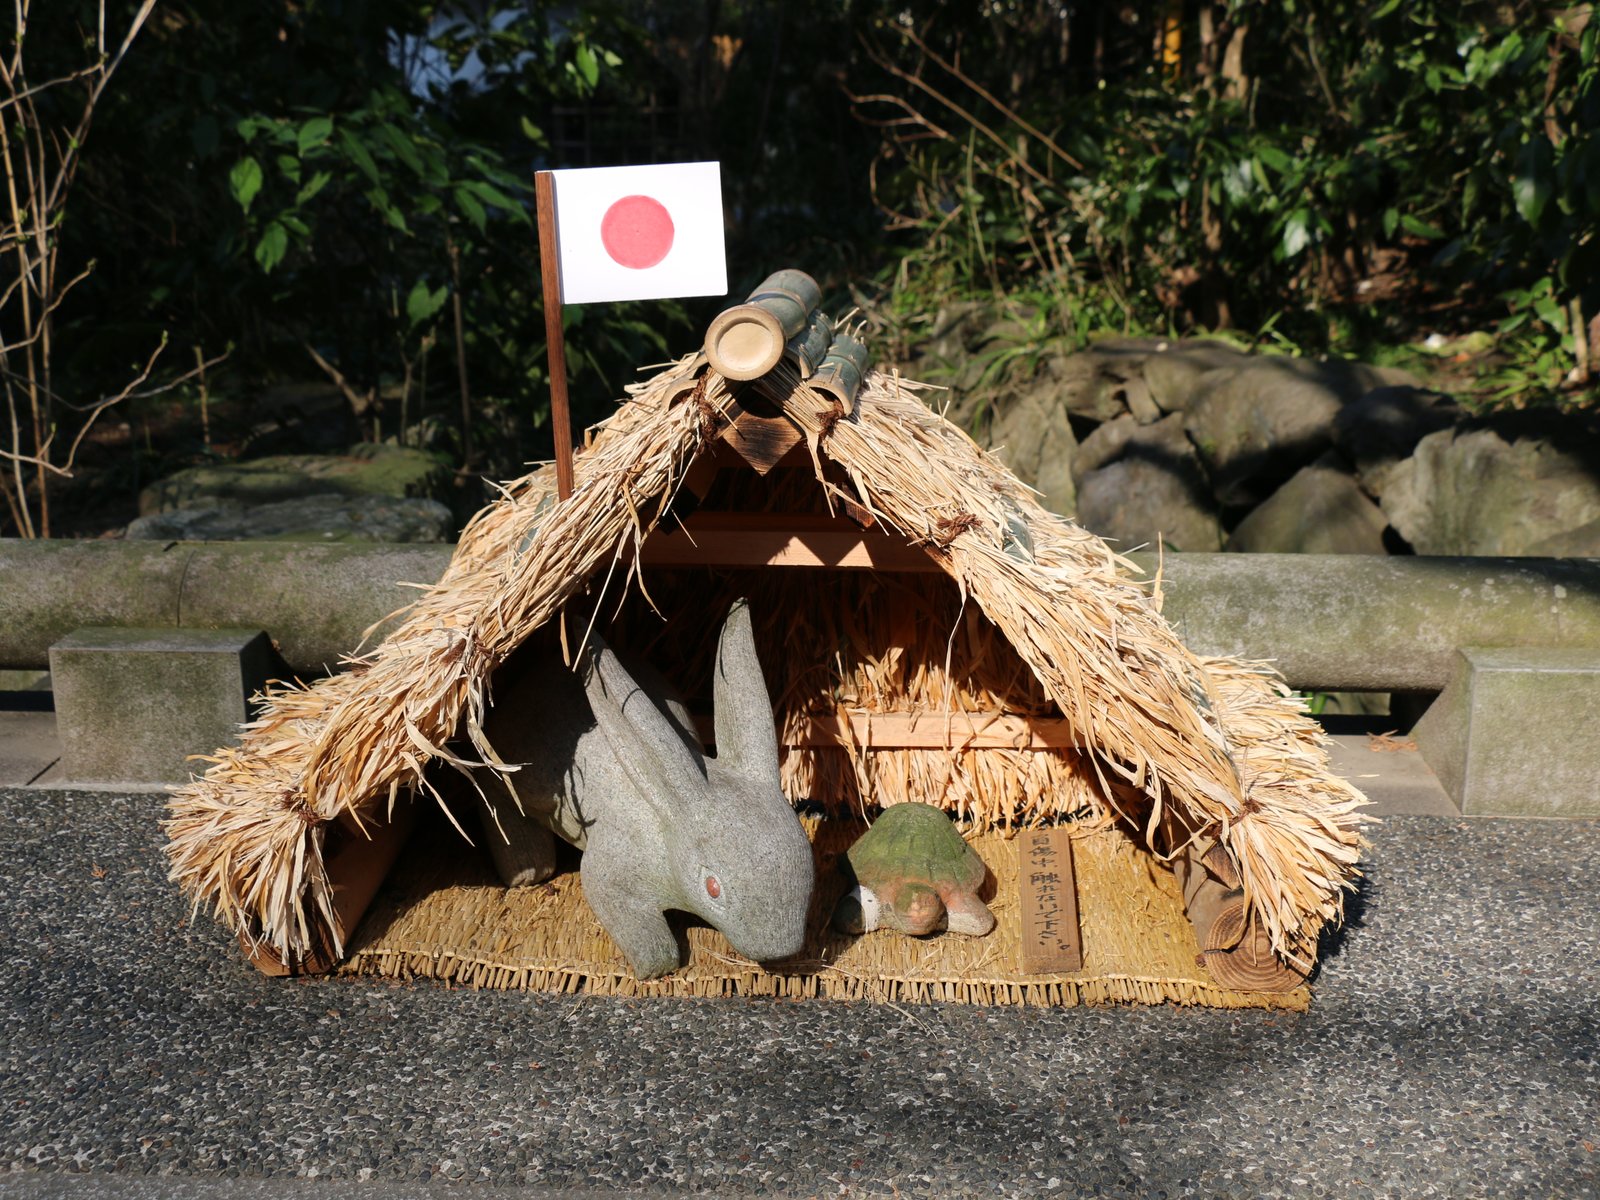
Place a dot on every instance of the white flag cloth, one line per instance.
(640, 233)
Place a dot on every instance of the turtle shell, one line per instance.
(915, 843)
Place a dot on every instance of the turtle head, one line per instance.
(917, 910)
(858, 911)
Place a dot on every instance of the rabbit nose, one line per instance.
(776, 943)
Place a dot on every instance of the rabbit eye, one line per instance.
(713, 887)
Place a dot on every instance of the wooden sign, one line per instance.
(1050, 940)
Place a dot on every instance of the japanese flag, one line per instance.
(640, 233)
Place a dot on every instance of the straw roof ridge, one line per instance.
(1191, 734)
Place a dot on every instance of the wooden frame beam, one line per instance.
(761, 539)
(925, 731)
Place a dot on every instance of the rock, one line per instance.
(1104, 445)
(1582, 542)
(1084, 389)
(328, 518)
(1146, 480)
(1257, 424)
(368, 470)
(1135, 393)
(1053, 478)
(1174, 374)
(1034, 438)
(1384, 426)
(1321, 510)
(1475, 492)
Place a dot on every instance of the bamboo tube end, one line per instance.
(744, 342)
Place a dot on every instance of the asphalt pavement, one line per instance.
(1452, 1049)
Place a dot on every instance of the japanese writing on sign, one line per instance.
(1050, 941)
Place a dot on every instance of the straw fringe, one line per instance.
(446, 918)
(1215, 749)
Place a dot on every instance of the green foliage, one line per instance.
(346, 175)
(1438, 153)
(339, 177)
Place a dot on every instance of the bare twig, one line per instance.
(467, 454)
(971, 118)
(1005, 110)
(40, 162)
(360, 402)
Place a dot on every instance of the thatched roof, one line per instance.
(1190, 749)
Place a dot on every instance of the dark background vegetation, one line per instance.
(341, 189)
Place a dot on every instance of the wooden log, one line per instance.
(1237, 953)
(747, 340)
(356, 869)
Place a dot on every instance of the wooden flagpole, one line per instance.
(550, 270)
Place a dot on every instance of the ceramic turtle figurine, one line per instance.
(913, 872)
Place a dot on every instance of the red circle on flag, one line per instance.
(637, 232)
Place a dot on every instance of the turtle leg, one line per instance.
(968, 914)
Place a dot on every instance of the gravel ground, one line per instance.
(1452, 1049)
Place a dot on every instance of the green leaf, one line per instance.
(468, 204)
(313, 185)
(532, 132)
(1296, 233)
(588, 64)
(245, 181)
(1391, 221)
(403, 148)
(360, 155)
(1421, 228)
(272, 246)
(379, 200)
(1530, 186)
(1388, 7)
(490, 194)
(314, 132)
(290, 166)
(422, 304)
(1276, 159)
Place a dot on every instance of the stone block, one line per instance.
(133, 704)
(1512, 734)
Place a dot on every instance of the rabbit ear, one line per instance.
(648, 746)
(747, 742)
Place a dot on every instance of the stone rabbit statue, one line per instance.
(610, 763)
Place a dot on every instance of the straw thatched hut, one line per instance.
(953, 643)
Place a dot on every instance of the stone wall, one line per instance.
(1212, 448)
